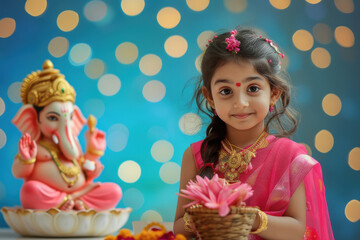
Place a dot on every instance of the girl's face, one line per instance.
(240, 95)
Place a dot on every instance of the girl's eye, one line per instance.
(225, 92)
(253, 89)
(52, 118)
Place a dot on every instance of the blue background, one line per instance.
(27, 48)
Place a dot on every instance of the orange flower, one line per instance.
(146, 234)
(125, 233)
(110, 237)
(180, 237)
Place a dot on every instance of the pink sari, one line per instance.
(277, 171)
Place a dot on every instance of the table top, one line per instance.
(7, 233)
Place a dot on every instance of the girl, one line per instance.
(245, 98)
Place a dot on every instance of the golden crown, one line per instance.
(43, 87)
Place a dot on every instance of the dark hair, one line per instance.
(255, 50)
(38, 110)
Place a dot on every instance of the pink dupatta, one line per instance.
(277, 171)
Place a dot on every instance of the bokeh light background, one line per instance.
(133, 62)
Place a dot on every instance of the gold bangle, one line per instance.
(23, 161)
(263, 222)
(95, 152)
(187, 223)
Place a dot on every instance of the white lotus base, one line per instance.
(57, 223)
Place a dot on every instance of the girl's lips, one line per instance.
(241, 116)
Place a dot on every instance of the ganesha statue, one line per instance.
(56, 172)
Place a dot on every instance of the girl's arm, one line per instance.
(292, 224)
(188, 171)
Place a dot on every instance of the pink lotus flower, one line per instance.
(216, 193)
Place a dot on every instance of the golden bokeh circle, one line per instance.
(80, 53)
(3, 138)
(94, 68)
(7, 27)
(197, 5)
(320, 57)
(352, 210)
(126, 52)
(170, 172)
(168, 17)
(58, 46)
(344, 6)
(324, 141)
(13, 92)
(151, 216)
(154, 91)
(150, 64)
(129, 171)
(95, 10)
(344, 36)
(162, 151)
(198, 63)
(132, 7)
(354, 159)
(35, 7)
(308, 148)
(190, 123)
(2, 106)
(322, 33)
(203, 39)
(236, 6)
(109, 84)
(176, 46)
(280, 4)
(321, 184)
(303, 40)
(67, 20)
(331, 104)
(313, 1)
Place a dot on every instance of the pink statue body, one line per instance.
(56, 172)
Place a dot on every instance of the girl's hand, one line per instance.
(96, 140)
(27, 147)
(256, 223)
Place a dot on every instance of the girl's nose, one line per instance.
(241, 101)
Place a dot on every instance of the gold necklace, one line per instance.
(65, 171)
(232, 162)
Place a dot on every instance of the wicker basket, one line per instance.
(209, 225)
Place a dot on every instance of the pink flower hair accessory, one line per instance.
(216, 193)
(210, 40)
(273, 45)
(232, 43)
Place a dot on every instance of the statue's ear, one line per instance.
(26, 120)
(78, 121)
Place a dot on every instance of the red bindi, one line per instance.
(238, 84)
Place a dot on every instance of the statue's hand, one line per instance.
(96, 140)
(27, 147)
(94, 173)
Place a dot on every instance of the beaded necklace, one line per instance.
(65, 171)
(233, 162)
